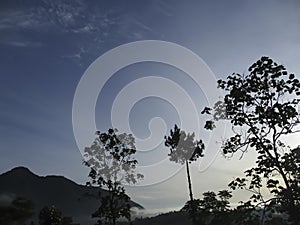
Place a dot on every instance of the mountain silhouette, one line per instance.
(74, 200)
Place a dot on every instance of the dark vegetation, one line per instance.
(184, 149)
(112, 164)
(262, 108)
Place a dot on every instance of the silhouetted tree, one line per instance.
(223, 202)
(212, 209)
(112, 163)
(53, 216)
(184, 149)
(18, 212)
(262, 108)
(211, 202)
(50, 216)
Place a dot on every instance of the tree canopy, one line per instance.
(262, 107)
(112, 163)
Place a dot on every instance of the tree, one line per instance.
(213, 208)
(184, 149)
(112, 163)
(20, 210)
(223, 203)
(50, 216)
(53, 216)
(211, 202)
(262, 108)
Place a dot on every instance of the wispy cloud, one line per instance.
(63, 15)
(143, 26)
(23, 44)
(79, 19)
(19, 20)
(77, 56)
(163, 8)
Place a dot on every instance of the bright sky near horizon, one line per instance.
(46, 46)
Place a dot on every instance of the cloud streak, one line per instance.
(22, 44)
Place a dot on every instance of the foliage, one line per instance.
(262, 108)
(114, 204)
(53, 216)
(185, 149)
(215, 209)
(112, 163)
(212, 204)
(20, 210)
(50, 216)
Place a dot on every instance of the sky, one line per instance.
(47, 48)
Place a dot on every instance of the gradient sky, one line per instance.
(46, 46)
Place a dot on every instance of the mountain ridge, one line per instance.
(74, 200)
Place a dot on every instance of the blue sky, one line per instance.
(46, 46)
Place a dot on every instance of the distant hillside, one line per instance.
(77, 201)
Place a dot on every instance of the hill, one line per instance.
(77, 201)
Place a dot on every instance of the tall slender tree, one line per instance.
(184, 149)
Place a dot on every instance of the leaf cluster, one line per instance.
(211, 202)
(111, 157)
(183, 146)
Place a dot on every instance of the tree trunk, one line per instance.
(189, 180)
(193, 211)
